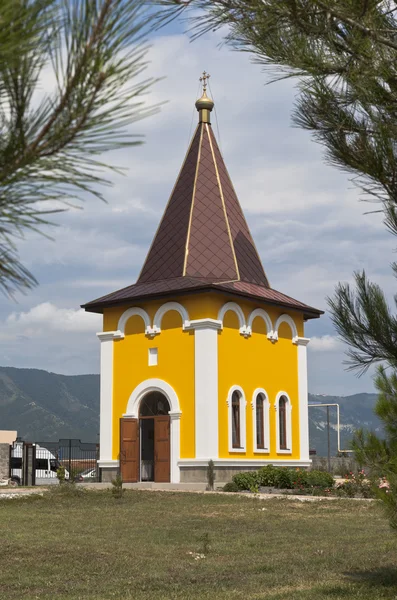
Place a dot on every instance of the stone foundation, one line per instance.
(222, 474)
(108, 473)
(4, 461)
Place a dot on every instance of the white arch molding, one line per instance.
(260, 313)
(236, 309)
(158, 385)
(289, 320)
(132, 312)
(166, 308)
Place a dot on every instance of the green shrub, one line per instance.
(350, 488)
(210, 475)
(284, 478)
(299, 478)
(366, 491)
(231, 486)
(61, 474)
(267, 476)
(357, 484)
(117, 489)
(246, 481)
(320, 479)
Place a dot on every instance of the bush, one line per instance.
(299, 478)
(284, 478)
(350, 488)
(231, 486)
(356, 484)
(246, 481)
(117, 487)
(320, 479)
(61, 474)
(210, 475)
(267, 476)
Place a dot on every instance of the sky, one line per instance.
(306, 217)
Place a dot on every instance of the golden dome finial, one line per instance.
(204, 104)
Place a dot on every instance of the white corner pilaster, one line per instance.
(206, 387)
(175, 445)
(302, 343)
(106, 394)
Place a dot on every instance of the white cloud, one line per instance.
(46, 317)
(326, 343)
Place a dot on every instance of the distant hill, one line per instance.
(355, 412)
(44, 406)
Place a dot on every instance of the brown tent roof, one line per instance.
(203, 232)
(203, 240)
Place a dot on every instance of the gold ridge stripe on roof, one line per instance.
(223, 204)
(243, 215)
(169, 199)
(192, 203)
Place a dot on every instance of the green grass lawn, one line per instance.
(91, 546)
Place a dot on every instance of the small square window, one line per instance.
(153, 357)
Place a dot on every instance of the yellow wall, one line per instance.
(175, 366)
(250, 363)
(254, 363)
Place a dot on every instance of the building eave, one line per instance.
(308, 311)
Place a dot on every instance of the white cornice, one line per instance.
(176, 414)
(204, 324)
(302, 341)
(105, 336)
(103, 464)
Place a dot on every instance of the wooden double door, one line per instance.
(131, 447)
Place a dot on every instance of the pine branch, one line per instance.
(49, 151)
(343, 18)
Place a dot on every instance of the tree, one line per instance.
(68, 92)
(343, 54)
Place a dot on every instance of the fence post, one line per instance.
(328, 442)
(9, 461)
(34, 464)
(70, 460)
(28, 464)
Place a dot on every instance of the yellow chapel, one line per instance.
(201, 359)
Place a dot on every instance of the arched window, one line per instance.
(260, 422)
(236, 416)
(282, 422)
(261, 429)
(153, 404)
(236, 420)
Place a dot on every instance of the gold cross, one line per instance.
(204, 79)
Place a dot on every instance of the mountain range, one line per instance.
(44, 406)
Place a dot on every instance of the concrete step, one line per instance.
(150, 485)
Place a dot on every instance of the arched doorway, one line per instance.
(145, 442)
(154, 422)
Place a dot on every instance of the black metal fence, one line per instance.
(38, 464)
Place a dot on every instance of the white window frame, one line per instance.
(266, 423)
(288, 426)
(243, 404)
(153, 357)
